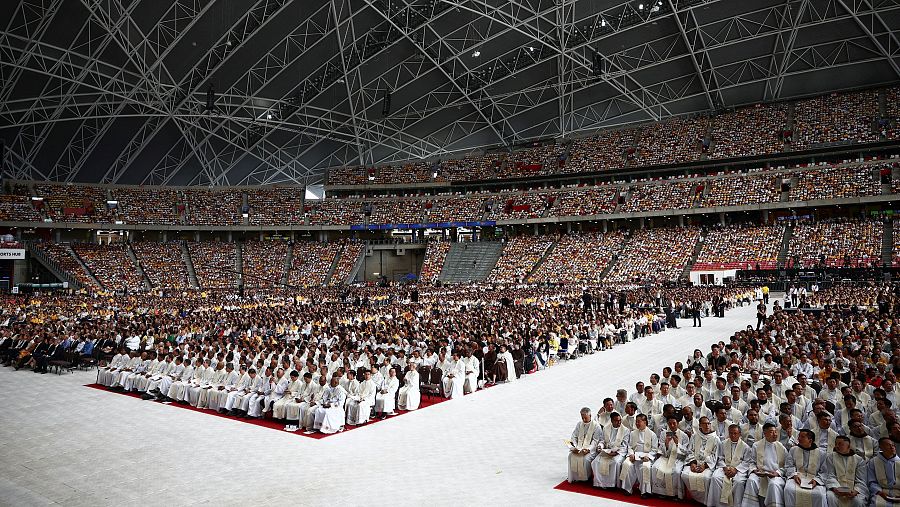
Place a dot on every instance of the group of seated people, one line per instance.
(579, 258)
(654, 255)
(840, 243)
(163, 263)
(836, 118)
(741, 190)
(264, 263)
(311, 263)
(800, 411)
(675, 195)
(349, 256)
(518, 258)
(275, 205)
(58, 255)
(215, 263)
(435, 255)
(753, 130)
(740, 246)
(111, 265)
(835, 183)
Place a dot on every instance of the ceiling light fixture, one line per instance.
(476, 54)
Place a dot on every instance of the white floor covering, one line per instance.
(66, 444)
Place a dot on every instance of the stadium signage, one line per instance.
(12, 253)
(440, 225)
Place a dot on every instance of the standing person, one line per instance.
(760, 314)
(695, 313)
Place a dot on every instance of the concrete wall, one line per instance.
(394, 263)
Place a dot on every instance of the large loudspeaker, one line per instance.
(386, 104)
(2, 155)
(599, 65)
(210, 99)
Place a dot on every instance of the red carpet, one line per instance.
(425, 402)
(585, 488)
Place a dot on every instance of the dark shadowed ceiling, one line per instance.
(115, 91)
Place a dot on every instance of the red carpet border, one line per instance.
(269, 423)
(585, 488)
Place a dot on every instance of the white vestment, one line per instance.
(611, 453)
(359, 406)
(329, 416)
(454, 376)
(704, 451)
(724, 491)
(768, 457)
(641, 444)
(583, 450)
(384, 399)
(409, 393)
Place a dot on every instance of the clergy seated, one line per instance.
(674, 446)
(386, 394)
(643, 447)
(611, 452)
(410, 396)
(883, 475)
(765, 485)
(359, 404)
(701, 461)
(845, 476)
(735, 459)
(805, 472)
(583, 446)
(329, 415)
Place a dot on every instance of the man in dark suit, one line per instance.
(43, 354)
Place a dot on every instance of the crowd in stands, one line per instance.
(837, 118)
(892, 110)
(741, 190)
(58, 254)
(839, 243)
(519, 206)
(654, 255)
(395, 211)
(264, 263)
(796, 411)
(579, 258)
(672, 141)
(215, 263)
(111, 265)
(663, 195)
(211, 207)
(163, 263)
(450, 209)
(18, 207)
(311, 263)
(73, 203)
(606, 151)
(519, 257)
(276, 206)
(435, 255)
(334, 212)
(349, 255)
(754, 130)
(584, 201)
(740, 247)
(149, 205)
(836, 183)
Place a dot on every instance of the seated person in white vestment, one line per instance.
(583, 446)
(766, 480)
(611, 453)
(359, 405)
(726, 486)
(700, 463)
(329, 416)
(805, 472)
(883, 475)
(409, 394)
(386, 395)
(643, 447)
(845, 477)
(665, 474)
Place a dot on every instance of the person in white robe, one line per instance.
(291, 394)
(752, 430)
(735, 457)
(611, 452)
(386, 396)
(506, 355)
(165, 383)
(217, 395)
(845, 476)
(147, 381)
(665, 474)
(471, 370)
(178, 390)
(128, 380)
(253, 403)
(701, 462)
(643, 446)
(605, 412)
(359, 405)
(766, 479)
(804, 470)
(276, 391)
(454, 377)
(312, 399)
(883, 475)
(236, 396)
(409, 394)
(583, 447)
(329, 417)
(134, 360)
(198, 394)
(861, 442)
(107, 374)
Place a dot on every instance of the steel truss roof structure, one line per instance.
(115, 91)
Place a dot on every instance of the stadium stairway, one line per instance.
(785, 246)
(334, 265)
(288, 262)
(189, 264)
(358, 265)
(543, 258)
(239, 264)
(81, 263)
(887, 244)
(134, 259)
(614, 259)
(470, 261)
(42, 258)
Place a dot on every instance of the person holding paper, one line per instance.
(883, 475)
(734, 460)
(642, 450)
(674, 446)
(805, 471)
(701, 461)
(384, 398)
(845, 476)
(611, 453)
(583, 446)
(766, 481)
